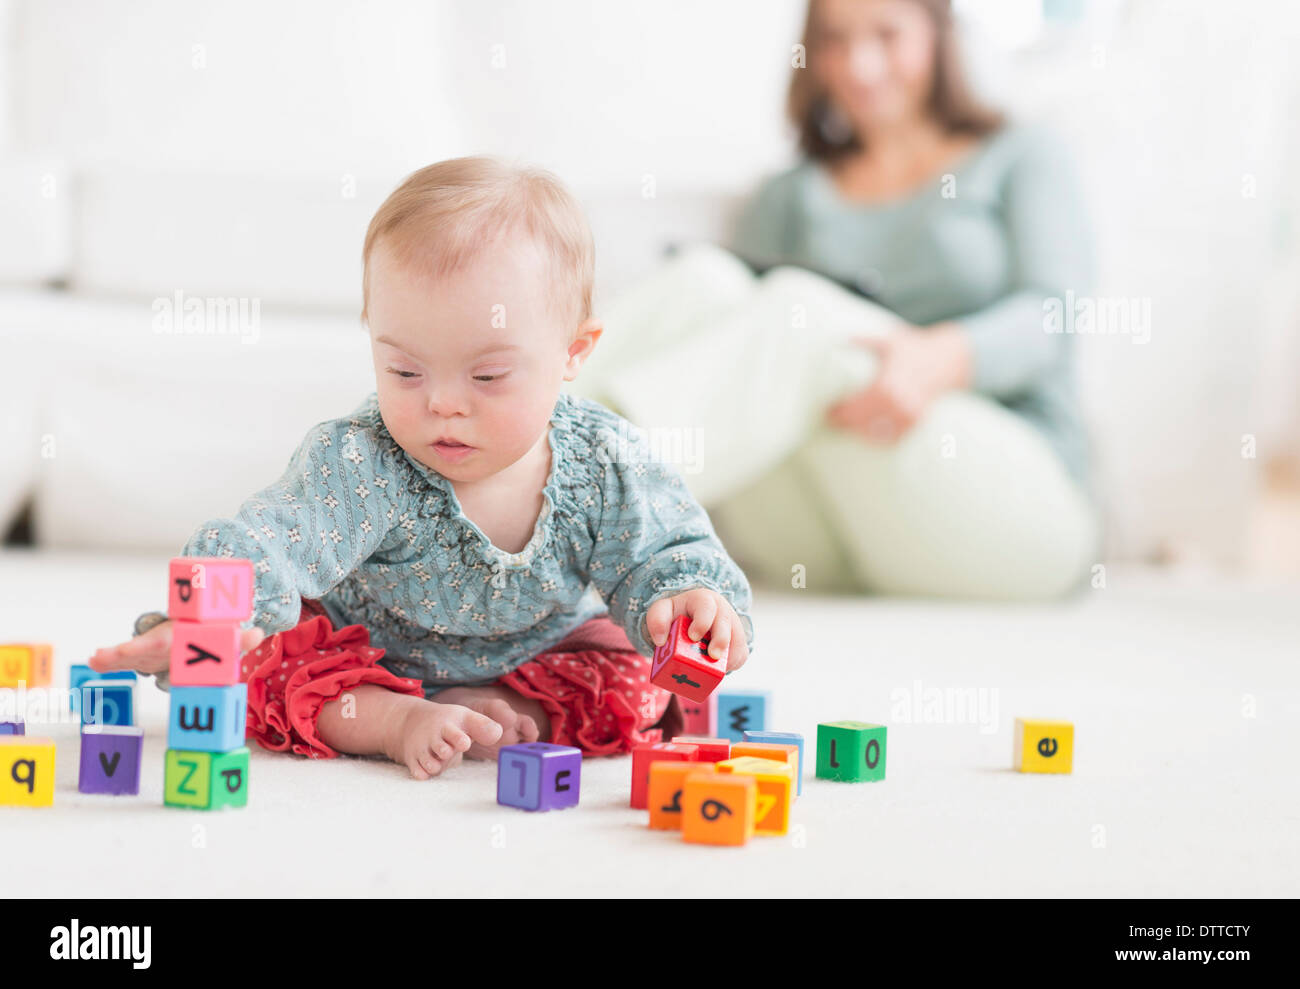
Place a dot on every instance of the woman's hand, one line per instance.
(150, 652)
(916, 366)
(711, 615)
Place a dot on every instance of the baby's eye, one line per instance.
(402, 374)
(488, 377)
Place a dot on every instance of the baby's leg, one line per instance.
(522, 719)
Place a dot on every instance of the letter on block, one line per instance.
(782, 738)
(786, 753)
(26, 663)
(1043, 746)
(699, 717)
(205, 654)
(719, 808)
(711, 749)
(110, 759)
(26, 771)
(12, 728)
(643, 755)
(740, 711)
(210, 589)
(850, 751)
(207, 719)
(108, 702)
(684, 666)
(667, 779)
(539, 776)
(79, 673)
(775, 788)
(206, 780)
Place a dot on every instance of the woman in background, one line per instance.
(886, 408)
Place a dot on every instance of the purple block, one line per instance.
(110, 759)
(538, 776)
(12, 728)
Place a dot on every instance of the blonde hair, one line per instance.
(443, 216)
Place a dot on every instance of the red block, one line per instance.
(684, 666)
(210, 589)
(643, 755)
(711, 749)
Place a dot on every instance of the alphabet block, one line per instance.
(711, 749)
(719, 808)
(782, 738)
(740, 711)
(667, 780)
(1043, 746)
(79, 673)
(107, 702)
(684, 665)
(29, 663)
(850, 751)
(539, 776)
(205, 654)
(110, 759)
(785, 753)
(206, 780)
(207, 719)
(775, 787)
(12, 728)
(699, 717)
(26, 771)
(643, 755)
(210, 589)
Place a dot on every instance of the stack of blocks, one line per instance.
(26, 762)
(206, 765)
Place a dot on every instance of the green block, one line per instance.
(850, 751)
(206, 780)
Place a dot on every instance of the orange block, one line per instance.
(719, 808)
(775, 788)
(667, 779)
(31, 663)
(788, 754)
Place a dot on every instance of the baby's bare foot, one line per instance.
(432, 736)
(522, 719)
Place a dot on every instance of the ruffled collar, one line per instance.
(436, 497)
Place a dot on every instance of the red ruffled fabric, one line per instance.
(594, 686)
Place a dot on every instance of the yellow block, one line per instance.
(775, 788)
(29, 663)
(26, 771)
(1043, 746)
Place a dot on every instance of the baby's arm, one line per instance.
(653, 541)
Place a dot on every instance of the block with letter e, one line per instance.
(1043, 746)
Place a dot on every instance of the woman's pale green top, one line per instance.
(994, 243)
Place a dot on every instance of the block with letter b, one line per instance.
(206, 780)
(851, 751)
(719, 808)
(210, 589)
(205, 654)
(1043, 746)
(775, 788)
(207, 719)
(26, 771)
(539, 776)
(110, 759)
(107, 702)
(684, 665)
(79, 673)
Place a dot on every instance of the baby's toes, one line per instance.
(482, 729)
(527, 728)
(457, 739)
(507, 717)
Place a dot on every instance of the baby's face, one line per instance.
(475, 358)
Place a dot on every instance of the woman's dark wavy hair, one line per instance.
(951, 101)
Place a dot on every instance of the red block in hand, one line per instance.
(684, 666)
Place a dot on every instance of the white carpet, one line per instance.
(1177, 790)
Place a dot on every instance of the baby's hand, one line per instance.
(711, 615)
(151, 651)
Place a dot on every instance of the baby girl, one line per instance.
(471, 558)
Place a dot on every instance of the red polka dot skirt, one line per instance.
(594, 686)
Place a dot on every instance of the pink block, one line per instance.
(699, 717)
(210, 589)
(205, 654)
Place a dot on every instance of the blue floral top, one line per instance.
(381, 540)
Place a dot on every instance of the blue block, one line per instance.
(740, 711)
(781, 738)
(107, 702)
(207, 719)
(79, 673)
(12, 728)
(538, 776)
